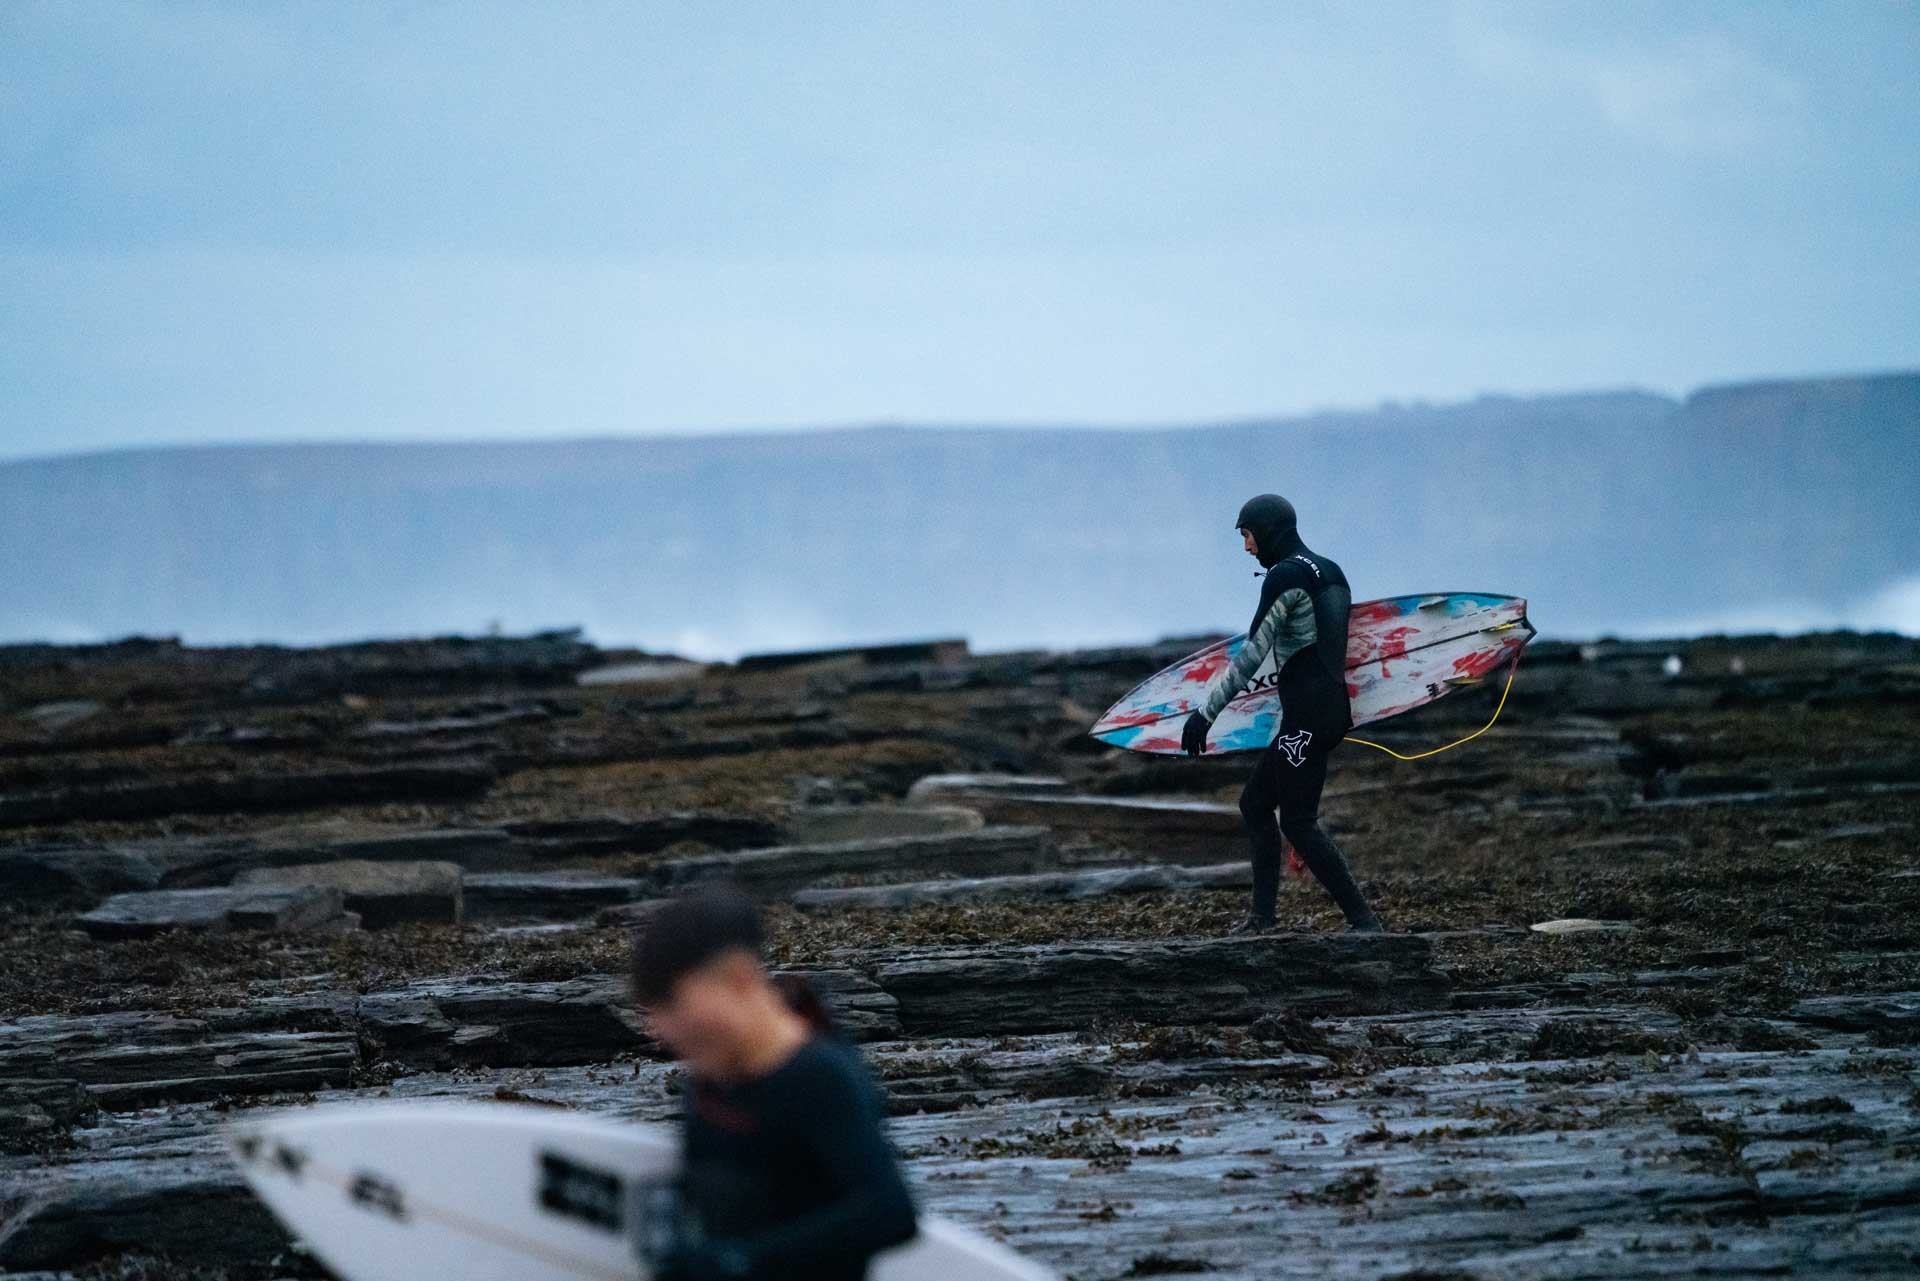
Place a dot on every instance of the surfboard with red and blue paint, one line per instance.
(1403, 652)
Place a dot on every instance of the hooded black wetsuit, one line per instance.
(1301, 621)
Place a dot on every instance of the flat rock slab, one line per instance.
(991, 991)
(1781, 797)
(933, 651)
(466, 847)
(1475, 1173)
(1890, 1017)
(1649, 1167)
(144, 913)
(547, 896)
(139, 1058)
(416, 666)
(440, 1023)
(642, 673)
(82, 876)
(962, 789)
(1133, 815)
(1843, 832)
(455, 724)
(73, 877)
(135, 1059)
(217, 860)
(819, 824)
(1048, 801)
(1056, 886)
(75, 1217)
(783, 869)
(542, 840)
(248, 793)
(967, 1073)
(383, 894)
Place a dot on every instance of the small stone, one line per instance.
(1581, 925)
(54, 717)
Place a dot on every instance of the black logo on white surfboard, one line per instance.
(578, 1191)
(372, 1192)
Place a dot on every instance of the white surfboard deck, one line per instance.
(401, 1191)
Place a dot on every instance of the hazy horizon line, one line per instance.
(1735, 627)
(1390, 405)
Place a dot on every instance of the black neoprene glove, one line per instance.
(1193, 737)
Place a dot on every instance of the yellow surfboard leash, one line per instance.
(1511, 669)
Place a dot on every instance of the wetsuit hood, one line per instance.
(1271, 520)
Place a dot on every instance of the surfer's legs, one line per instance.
(1301, 776)
(1258, 801)
(1329, 867)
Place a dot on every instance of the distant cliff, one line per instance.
(1611, 511)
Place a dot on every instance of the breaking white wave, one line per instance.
(1893, 608)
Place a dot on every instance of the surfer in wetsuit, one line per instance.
(786, 1172)
(1302, 623)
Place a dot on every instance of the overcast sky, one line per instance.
(450, 220)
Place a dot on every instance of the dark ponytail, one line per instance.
(803, 998)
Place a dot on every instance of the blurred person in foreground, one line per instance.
(786, 1170)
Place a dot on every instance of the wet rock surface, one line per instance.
(784, 869)
(985, 990)
(1715, 1070)
(1094, 883)
(1386, 1138)
(550, 896)
(250, 792)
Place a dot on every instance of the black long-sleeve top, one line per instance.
(794, 1167)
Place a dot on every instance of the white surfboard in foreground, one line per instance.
(505, 1192)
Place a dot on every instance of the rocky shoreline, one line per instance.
(258, 877)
